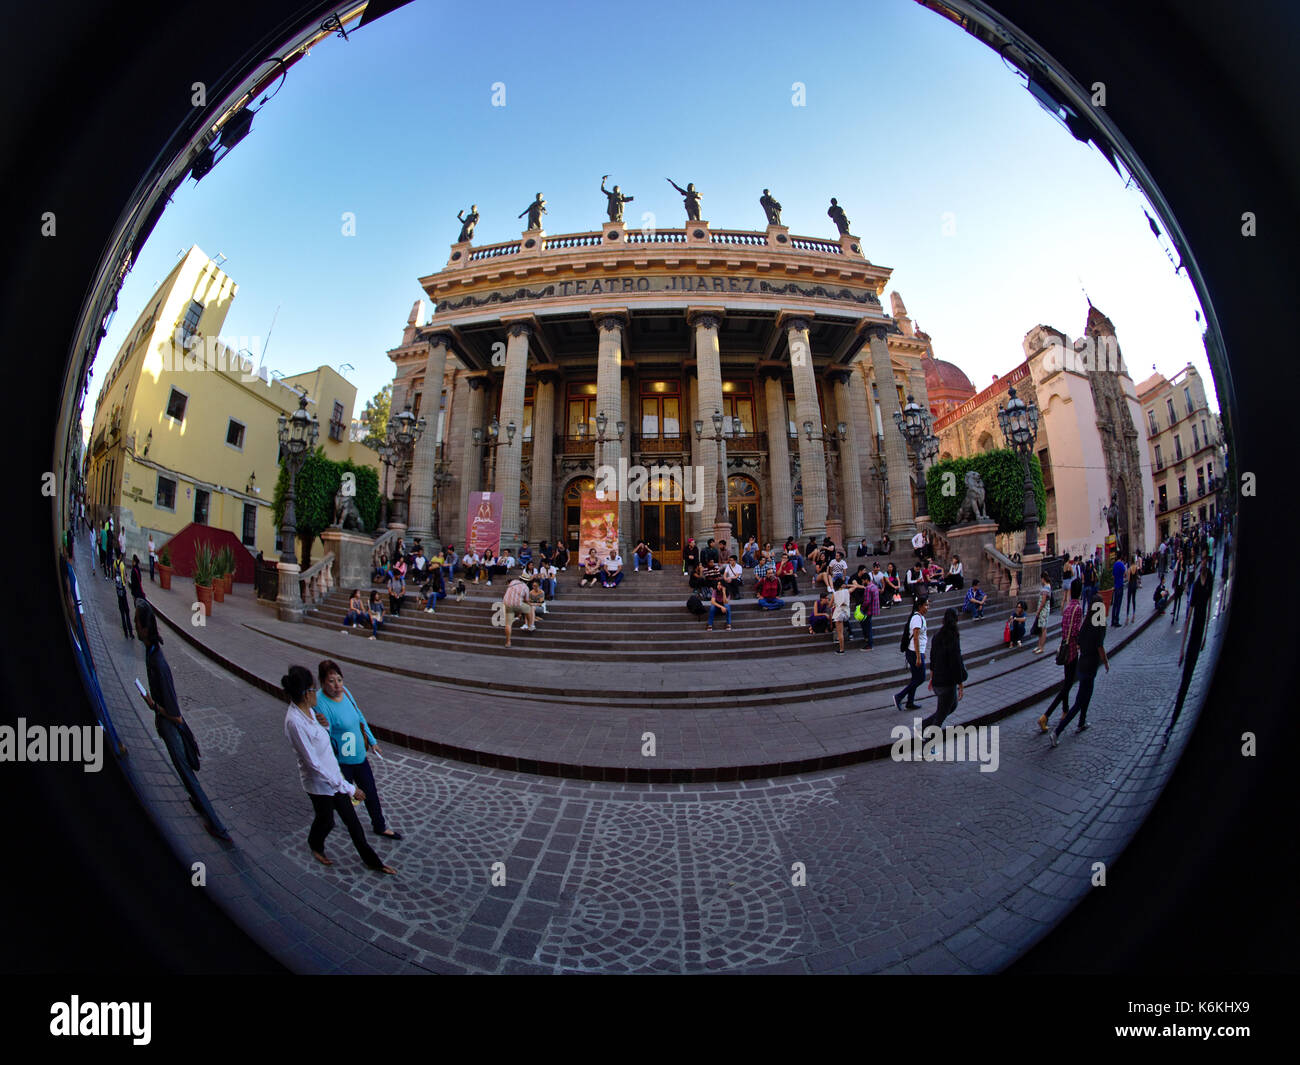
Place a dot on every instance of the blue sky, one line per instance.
(908, 121)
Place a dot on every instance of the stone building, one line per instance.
(1091, 437)
(783, 336)
(1186, 457)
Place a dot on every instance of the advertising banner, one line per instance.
(483, 528)
(599, 528)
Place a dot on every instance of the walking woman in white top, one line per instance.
(329, 791)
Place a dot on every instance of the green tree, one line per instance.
(315, 489)
(375, 416)
(1004, 488)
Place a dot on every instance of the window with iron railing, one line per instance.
(336, 422)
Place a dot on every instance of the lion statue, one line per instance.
(972, 507)
(346, 515)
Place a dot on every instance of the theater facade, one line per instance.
(606, 348)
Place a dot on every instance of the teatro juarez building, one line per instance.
(612, 344)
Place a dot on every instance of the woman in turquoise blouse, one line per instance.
(352, 738)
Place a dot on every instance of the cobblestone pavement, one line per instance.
(885, 866)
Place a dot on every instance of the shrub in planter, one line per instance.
(205, 566)
(226, 565)
(165, 568)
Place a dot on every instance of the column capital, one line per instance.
(610, 318)
(440, 338)
(839, 375)
(771, 370)
(520, 327)
(705, 317)
(796, 320)
(476, 379)
(547, 375)
(877, 330)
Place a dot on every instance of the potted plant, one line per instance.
(205, 565)
(226, 558)
(165, 568)
(1106, 589)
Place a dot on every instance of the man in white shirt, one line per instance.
(916, 648)
(611, 570)
(547, 573)
(837, 567)
(420, 560)
(508, 561)
(732, 575)
(877, 575)
(471, 562)
(153, 557)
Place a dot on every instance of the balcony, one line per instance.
(1160, 464)
(1183, 499)
(746, 442)
(1162, 506)
(665, 444)
(579, 445)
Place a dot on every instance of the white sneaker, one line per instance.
(344, 631)
(370, 637)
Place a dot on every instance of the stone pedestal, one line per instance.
(288, 603)
(969, 541)
(835, 530)
(352, 552)
(722, 538)
(1031, 574)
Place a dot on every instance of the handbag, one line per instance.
(1063, 653)
(1006, 632)
(858, 615)
(192, 753)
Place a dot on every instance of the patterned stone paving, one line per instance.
(885, 866)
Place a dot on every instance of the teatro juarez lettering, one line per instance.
(686, 284)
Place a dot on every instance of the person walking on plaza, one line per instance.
(1092, 653)
(396, 591)
(120, 583)
(350, 735)
(1180, 573)
(168, 722)
(1044, 611)
(137, 579)
(1071, 626)
(1133, 582)
(915, 648)
(1193, 638)
(329, 790)
(947, 670)
(515, 601)
(870, 610)
(376, 615)
(153, 558)
(105, 551)
(840, 611)
(1117, 605)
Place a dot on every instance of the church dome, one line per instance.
(943, 377)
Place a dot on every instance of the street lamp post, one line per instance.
(620, 427)
(386, 457)
(403, 433)
(1019, 422)
(831, 449)
(721, 523)
(491, 441)
(297, 433)
(915, 423)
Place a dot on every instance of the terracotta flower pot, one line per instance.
(205, 597)
(1106, 595)
(219, 589)
(164, 577)
(230, 583)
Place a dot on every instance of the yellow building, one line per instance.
(1184, 438)
(185, 428)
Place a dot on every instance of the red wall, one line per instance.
(186, 542)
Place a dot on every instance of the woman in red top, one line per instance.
(1071, 626)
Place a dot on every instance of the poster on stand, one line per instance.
(483, 529)
(599, 528)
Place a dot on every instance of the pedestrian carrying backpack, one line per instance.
(695, 605)
(906, 641)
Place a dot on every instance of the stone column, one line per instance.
(697, 522)
(778, 459)
(850, 461)
(865, 430)
(419, 520)
(472, 457)
(626, 537)
(708, 364)
(812, 459)
(541, 517)
(609, 385)
(510, 453)
(898, 462)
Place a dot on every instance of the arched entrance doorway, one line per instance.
(742, 509)
(573, 508)
(661, 519)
